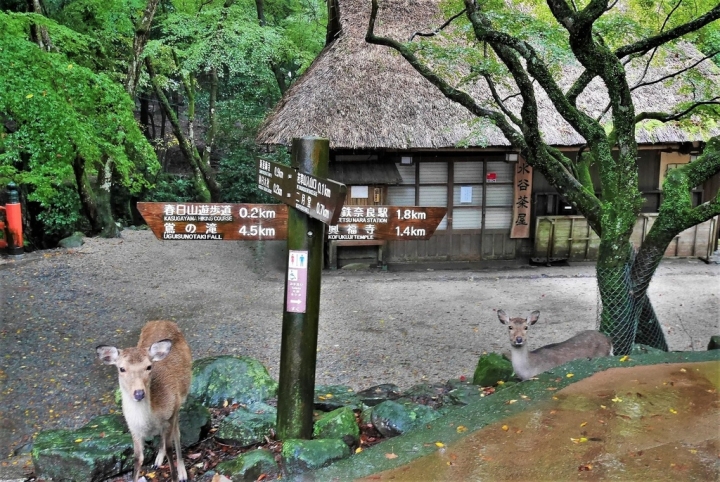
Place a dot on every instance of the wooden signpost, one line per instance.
(316, 201)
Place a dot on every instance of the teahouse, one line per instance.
(396, 140)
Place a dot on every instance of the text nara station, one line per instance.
(315, 202)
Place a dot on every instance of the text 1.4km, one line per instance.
(409, 231)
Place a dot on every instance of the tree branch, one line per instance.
(439, 29)
(665, 117)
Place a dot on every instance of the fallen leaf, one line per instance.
(78, 440)
(585, 467)
(624, 358)
(617, 399)
(580, 440)
(391, 456)
(683, 370)
(220, 478)
(603, 407)
(194, 456)
(524, 397)
(505, 428)
(500, 382)
(320, 397)
(672, 410)
(225, 403)
(510, 402)
(461, 429)
(583, 424)
(439, 444)
(328, 395)
(570, 375)
(29, 96)
(358, 450)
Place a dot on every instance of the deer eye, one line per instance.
(510, 328)
(122, 370)
(149, 367)
(526, 328)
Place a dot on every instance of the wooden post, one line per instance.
(298, 351)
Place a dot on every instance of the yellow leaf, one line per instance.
(391, 456)
(524, 397)
(461, 429)
(672, 410)
(29, 96)
(358, 450)
(570, 375)
(510, 402)
(70, 66)
(603, 407)
(321, 397)
(439, 444)
(579, 440)
(500, 382)
(683, 370)
(583, 424)
(617, 399)
(505, 427)
(225, 403)
(693, 451)
(328, 395)
(583, 439)
(78, 440)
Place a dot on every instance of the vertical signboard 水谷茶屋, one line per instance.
(522, 194)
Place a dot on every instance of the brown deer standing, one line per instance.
(154, 380)
(527, 364)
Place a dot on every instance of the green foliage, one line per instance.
(61, 212)
(171, 188)
(57, 111)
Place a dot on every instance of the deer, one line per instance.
(154, 379)
(527, 364)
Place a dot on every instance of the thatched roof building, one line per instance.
(363, 96)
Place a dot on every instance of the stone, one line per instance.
(233, 379)
(249, 466)
(379, 393)
(100, 450)
(714, 343)
(332, 397)
(640, 349)
(463, 395)
(73, 241)
(391, 418)
(301, 455)
(247, 426)
(338, 424)
(432, 395)
(492, 368)
(195, 421)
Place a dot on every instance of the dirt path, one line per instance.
(375, 327)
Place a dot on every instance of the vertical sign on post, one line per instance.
(297, 281)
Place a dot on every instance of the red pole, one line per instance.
(13, 216)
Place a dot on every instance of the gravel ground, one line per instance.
(402, 327)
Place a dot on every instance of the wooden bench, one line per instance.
(332, 254)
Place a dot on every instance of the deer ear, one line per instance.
(534, 317)
(159, 350)
(107, 354)
(503, 317)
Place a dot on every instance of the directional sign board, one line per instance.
(386, 222)
(318, 198)
(213, 221)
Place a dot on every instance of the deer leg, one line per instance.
(167, 435)
(175, 437)
(138, 446)
(162, 450)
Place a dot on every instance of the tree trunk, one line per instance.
(95, 205)
(142, 35)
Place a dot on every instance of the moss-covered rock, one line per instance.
(235, 379)
(100, 450)
(338, 424)
(194, 421)
(301, 455)
(248, 426)
(73, 241)
(248, 466)
(379, 393)
(492, 368)
(391, 418)
(331, 397)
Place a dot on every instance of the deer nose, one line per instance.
(139, 395)
(519, 340)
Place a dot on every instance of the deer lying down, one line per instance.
(154, 381)
(527, 364)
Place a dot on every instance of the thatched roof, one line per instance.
(363, 96)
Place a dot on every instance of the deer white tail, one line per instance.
(527, 364)
(154, 380)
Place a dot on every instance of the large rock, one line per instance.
(331, 397)
(249, 466)
(248, 426)
(492, 368)
(195, 421)
(301, 455)
(233, 379)
(338, 424)
(432, 395)
(73, 241)
(100, 450)
(391, 418)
